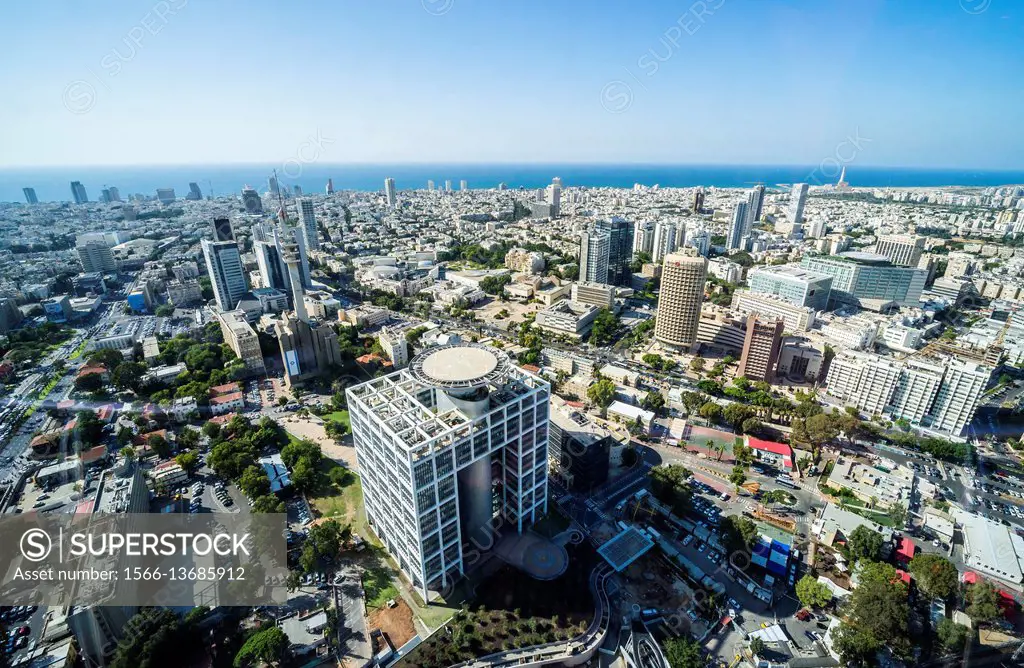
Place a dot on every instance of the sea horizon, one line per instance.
(52, 183)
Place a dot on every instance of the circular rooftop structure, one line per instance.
(460, 366)
(864, 257)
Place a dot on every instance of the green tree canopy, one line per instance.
(865, 543)
(813, 594)
(268, 645)
(982, 602)
(935, 575)
(683, 652)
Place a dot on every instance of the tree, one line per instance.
(129, 453)
(188, 438)
(898, 514)
(107, 357)
(813, 594)
(90, 382)
(738, 533)
(738, 476)
(865, 543)
(601, 393)
(735, 414)
(982, 602)
(159, 445)
(953, 636)
(124, 436)
(268, 503)
(211, 430)
(188, 461)
(752, 426)
(684, 653)
(157, 638)
(269, 645)
(164, 310)
(605, 325)
(254, 482)
(698, 363)
(757, 647)
(876, 615)
(654, 401)
(129, 376)
(711, 412)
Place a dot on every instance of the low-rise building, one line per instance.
(567, 318)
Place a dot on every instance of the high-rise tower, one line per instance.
(307, 218)
(682, 293)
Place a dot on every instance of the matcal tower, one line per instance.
(451, 450)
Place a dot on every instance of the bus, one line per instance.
(786, 481)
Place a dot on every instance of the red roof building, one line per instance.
(6, 369)
(226, 388)
(91, 369)
(905, 550)
(779, 455)
(903, 575)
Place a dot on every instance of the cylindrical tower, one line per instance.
(682, 292)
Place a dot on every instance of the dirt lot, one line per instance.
(516, 312)
(396, 623)
(313, 429)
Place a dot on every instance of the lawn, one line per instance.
(340, 496)
(340, 417)
(79, 350)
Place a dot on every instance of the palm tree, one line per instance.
(874, 500)
(710, 446)
(721, 450)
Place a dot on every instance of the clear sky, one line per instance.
(931, 83)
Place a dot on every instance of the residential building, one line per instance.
(390, 194)
(183, 293)
(307, 222)
(755, 203)
(95, 256)
(78, 192)
(679, 304)
(58, 309)
(797, 201)
(443, 447)
(594, 253)
(664, 241)
(725, 270)
(738, 227)
(522, 260)
(761, 347)
(194, 193)
(166, 196)
(243, 340)
(800, 359)
(30, 195)
(643, 237)
(251, 201)
(227, 398)
(227, 275)
(10, 314)
(395, 346)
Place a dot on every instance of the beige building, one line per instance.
(682, 291)
(242, 338)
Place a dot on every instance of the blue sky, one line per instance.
(921, 83)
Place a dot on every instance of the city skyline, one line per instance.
(818, 75)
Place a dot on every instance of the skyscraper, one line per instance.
(95, 256)
(463, 185)
(78, 192)
(643, 237)
(682, 292)
(165, 195)
(105, 196)
(308, 221)
(448, 185)
(329, 189)
(222, 229)
(227, 275)
(594, 249)
(664, 240)
(273, 186)
(620, 250)
(698, 200)
(115, 195)
(553, 196)
(761, 347)
(738, 226)
(430, 184)
(755, 202)
(251, 200)
(390, 194)
(30, 195)
(433, 486)
(194, 193)
(797, 200)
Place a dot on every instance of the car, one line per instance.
(702, 547)
(24, 630)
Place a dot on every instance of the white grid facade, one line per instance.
(409, 456)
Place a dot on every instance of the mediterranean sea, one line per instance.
(53, 183)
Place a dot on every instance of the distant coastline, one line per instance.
(53, 183)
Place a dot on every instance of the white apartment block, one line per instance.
(941, 394)
(450, 450)
(395, 346)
